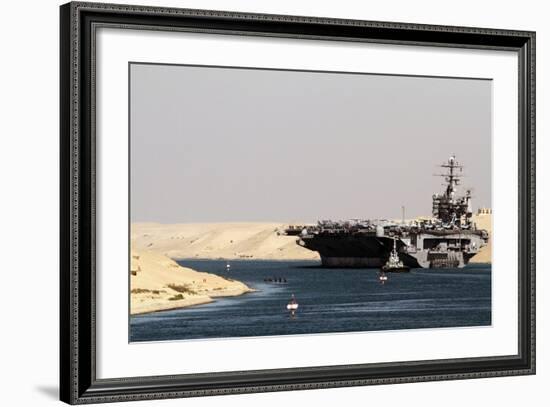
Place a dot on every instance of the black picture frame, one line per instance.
(78, 381)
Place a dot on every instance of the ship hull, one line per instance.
(351, 262)
(366, 250)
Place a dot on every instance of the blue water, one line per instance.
(331, 300)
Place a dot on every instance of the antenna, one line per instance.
(452, 179)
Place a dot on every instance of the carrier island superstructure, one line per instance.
(448, 239)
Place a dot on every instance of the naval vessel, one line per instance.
(449, 239)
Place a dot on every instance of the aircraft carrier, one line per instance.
(449, 239)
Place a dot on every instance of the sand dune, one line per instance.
(219, 240)
(159, 283)
(484, 221)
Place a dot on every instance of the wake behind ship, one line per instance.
(449, 239)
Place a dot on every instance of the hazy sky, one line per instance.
(223, 144)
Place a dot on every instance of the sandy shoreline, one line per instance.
(158, 283)
(484, 256)
(153, 307)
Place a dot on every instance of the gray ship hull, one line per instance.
(351, 262)
(423, 250)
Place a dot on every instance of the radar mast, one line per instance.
(451, 210)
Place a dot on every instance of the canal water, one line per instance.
(330, 300)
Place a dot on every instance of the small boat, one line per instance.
(227, 266)
(394, 264)
(292, 306)
(383, 277)
(276, 280)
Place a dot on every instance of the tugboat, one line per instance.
(292, 306)
(394, 264)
